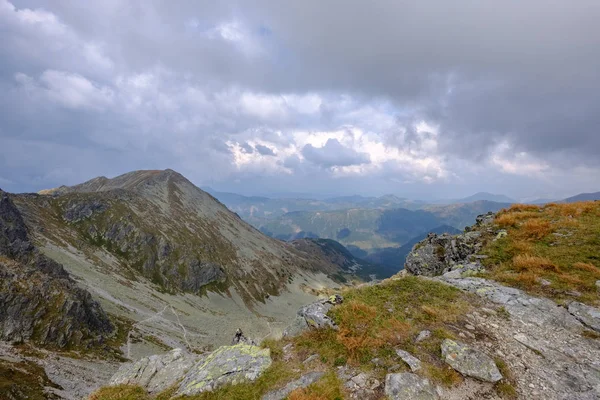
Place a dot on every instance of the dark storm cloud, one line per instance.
(508, 86)
(334, 154)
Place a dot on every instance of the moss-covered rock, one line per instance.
(226, 365)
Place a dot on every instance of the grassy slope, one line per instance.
(557, 243)
(373, 321)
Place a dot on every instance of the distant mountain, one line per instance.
(393, 258)
(371, 229)
(257, 210)
(460, 215)
(481, 196)
(583, 197)
(539, 201)
(329, 251)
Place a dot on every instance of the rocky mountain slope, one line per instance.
(39, 302)
(468, 333)
(159, 225)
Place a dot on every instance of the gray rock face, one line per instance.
(226, 365)
(440, 253)
(155, 373)
(470, 362)
(38, 299)
(302, 382)
(531, 310)
(589, 316)
(313, 315)
(409, 386)
(413, 362)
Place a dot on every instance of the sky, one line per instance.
(427, 99)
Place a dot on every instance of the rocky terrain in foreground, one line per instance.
(449, 332)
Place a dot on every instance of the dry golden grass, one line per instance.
(506, 220)
(523, 207)
(535, 229)
(558, 242)
(525, 262)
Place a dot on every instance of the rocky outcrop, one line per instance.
(313, 315)
(38, 299)
(439, 254)
(226, 365)
(407, 386)
(469, 361)
(300, 383)
(156, 373)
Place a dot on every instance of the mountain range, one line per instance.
(162, 256)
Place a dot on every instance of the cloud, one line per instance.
(334, 154)
(228, 93)
(264, 150)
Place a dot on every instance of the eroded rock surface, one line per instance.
(156, 373)
(408, 386)
(226, 365)
(469, 361)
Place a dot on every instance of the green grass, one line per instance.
(120, 392)
(375, 320)
(558, 243)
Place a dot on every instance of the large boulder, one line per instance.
(156, 373)
(313, 315)
(408, 386)
(470, 362)
(226, 365)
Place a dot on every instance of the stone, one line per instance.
(413, 362)
(226, 365)
(587, 315)
(155, 373)
(313, 315)
(502, 233)
(311, 359)
(423, 335)
(469, 361)
(438, 254)
(297, 327)
(300, 383)
(408, 386)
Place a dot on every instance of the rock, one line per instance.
(422, 336)
(470, 362)
(413, 362)
(408, 386)
(573, 293)
(226, 365)
(297, 326)
(312, 315)
(589, 316)
(155, 373)
(541, 312)
(302, 382)
(39, 301)
(440, 253)
(311, 359)
(335, 299)
(502, 233)
(544, 282)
